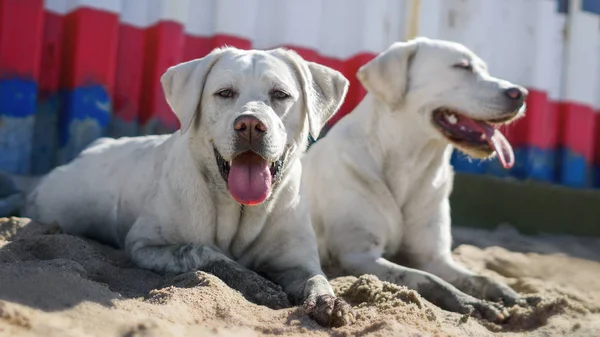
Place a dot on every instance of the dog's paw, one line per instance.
(522, 301)
(329, 311)
(255, 288)
(489, 311)
(261, 291)
(531, 300)
(272, 296)
(492, 290)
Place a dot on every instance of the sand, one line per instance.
(53, 284)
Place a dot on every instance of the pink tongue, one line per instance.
(496, 140)
(249, 179)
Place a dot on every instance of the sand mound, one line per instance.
(53, 284)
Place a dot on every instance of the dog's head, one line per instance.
(450, 90)
(254, 110)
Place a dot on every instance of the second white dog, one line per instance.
(379, 182)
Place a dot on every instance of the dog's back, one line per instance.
(86, 195)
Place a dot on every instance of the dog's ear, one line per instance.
(386, 76)
(329, 88)
(324, 90)
(183, 85)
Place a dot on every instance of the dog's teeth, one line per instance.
(483, 137)
(451, 118)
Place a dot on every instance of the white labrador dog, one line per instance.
(223, 195)
(379, 182)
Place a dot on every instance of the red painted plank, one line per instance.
(348, 68)
(579, 129)
(51, 54)
(196, 47)
(129, 72)
(21, 23)
(90, 48)
(543, 119)
(597, 142)
(356, 92)
(163, 48)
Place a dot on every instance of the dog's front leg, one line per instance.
(471, 283)
(431, 287)
(477, 285)
(312, 289)
(429, 245)
(183, 258)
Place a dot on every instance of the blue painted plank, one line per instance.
(563, 6)
(84, 117)
(575, 172)
(120, 128)
(17, 116)
(542, 164)
(596, 182)
(530, 163)
(592, 6)
(45, 135)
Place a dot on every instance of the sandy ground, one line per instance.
(52, 284)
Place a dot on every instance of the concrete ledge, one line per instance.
(531, 207)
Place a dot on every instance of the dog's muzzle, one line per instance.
(475, 135)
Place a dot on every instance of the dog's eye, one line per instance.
(466, 65)
(225, 93)
(279, 94)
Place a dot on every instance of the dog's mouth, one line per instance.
(475, 135)
(249, 176)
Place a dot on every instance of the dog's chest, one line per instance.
(237, 228)
(419, 182)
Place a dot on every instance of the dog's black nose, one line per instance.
(516, 94)
(249, 127)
